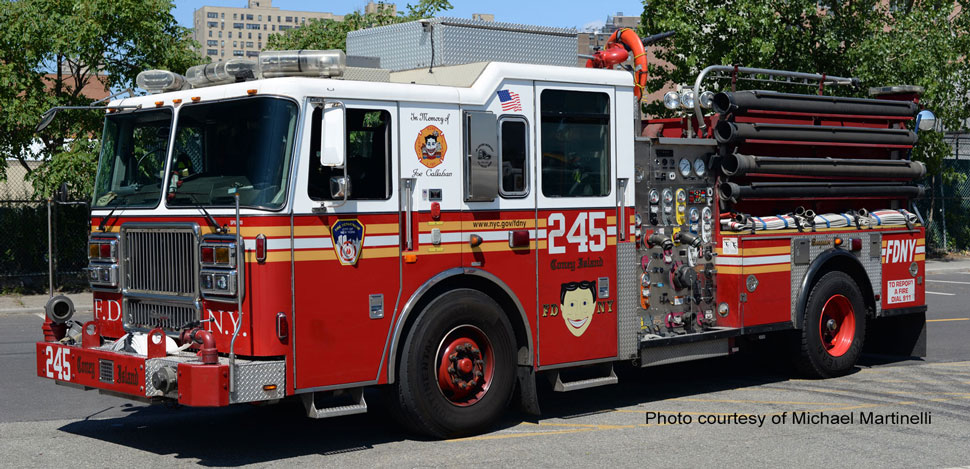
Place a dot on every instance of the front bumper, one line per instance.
(130, 374)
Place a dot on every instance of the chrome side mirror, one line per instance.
(333, 149)
(339, 187)
(925, 120)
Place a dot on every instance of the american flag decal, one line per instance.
(510, 101)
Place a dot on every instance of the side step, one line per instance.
(339, 398)
(565, 386)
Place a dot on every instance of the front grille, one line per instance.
(169, 317)
(107, 371)
(161, 260)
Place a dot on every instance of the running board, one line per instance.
(560, 386)
(358, 405)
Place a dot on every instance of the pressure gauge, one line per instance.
(681, 195)
(654, 196)
(706, 232)
(694, 215)
(684, 167)
(706, 214)
(668, 196)
(700, 169)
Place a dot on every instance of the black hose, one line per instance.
(743, 101)
(733, 132)
(738, 165)
(787, 190)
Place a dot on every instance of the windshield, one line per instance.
(132, 159)
(243, 146)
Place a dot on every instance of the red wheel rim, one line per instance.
(836, 326)
(465, 365)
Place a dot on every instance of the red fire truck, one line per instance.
(274, 228)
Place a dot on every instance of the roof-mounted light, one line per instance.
(314, 63)
(220, 73)
(159, 81)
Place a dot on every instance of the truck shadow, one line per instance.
(258, 434)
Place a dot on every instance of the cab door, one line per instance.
(576, 207)
(346, 253)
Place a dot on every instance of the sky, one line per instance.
(561, 13)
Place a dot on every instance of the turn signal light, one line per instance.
(222, 255)
(208, 255)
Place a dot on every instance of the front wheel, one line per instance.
(833, 327)
(458, 366)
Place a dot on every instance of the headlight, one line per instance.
(687, 99)
(707, 99)
(671, 100)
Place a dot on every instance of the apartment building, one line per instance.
(227, 32)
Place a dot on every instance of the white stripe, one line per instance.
(378, 241)
(938, 293)
(611, 230)
(755, 260)
(283, 244)
(920, 249)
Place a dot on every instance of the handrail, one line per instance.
(753, 72)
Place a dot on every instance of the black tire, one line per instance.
(816, 358)
(419, 398)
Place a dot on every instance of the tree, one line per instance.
(50, 50)
(330, 34)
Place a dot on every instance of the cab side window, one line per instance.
(513, 157)
(575, 143)
(368, 142)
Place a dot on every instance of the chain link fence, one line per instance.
(24, 253)
(946, 206)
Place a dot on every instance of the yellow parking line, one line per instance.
(949, 319)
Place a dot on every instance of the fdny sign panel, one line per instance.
(900, 250)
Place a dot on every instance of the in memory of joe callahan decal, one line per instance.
(431, 146)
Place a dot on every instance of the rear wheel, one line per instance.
(833, 327)
(458, 366)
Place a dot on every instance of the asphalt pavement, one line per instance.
(905, 413)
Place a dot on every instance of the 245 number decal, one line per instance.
(577, 234)
(58, 363)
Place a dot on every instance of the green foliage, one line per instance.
(916, 42)
(51, 49)
(330, 34)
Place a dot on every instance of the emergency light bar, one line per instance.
(314, 63)
(158, 81)
(222, 72)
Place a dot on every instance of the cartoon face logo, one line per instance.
(578, 301)
(348, 240)
(431, 146)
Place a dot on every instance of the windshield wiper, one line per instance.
(104, 220)
(215, 224)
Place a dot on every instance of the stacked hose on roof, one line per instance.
(735, 164)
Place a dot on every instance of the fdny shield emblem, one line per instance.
(348, 240)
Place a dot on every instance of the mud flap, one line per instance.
(527, 396)
(902, 335)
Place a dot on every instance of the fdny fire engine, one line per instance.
(297, 226)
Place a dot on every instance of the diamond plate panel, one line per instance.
(407, 46)
(251, 376)
(628, 300)
(822, 242)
